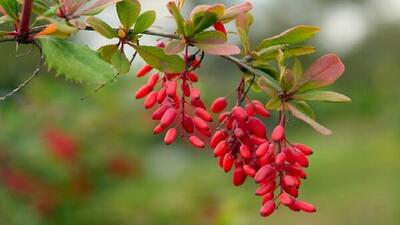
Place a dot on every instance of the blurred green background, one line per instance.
(122, 174)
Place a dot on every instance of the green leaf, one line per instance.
(322, 96)
(175, 12)
(120, 62)
(144, 21)
(210, 16)
(107, 52)
(209, 37)
(39, 7)
(297, 70)
(289, 52)
(266, 85)
(156, 57)
(266, 68)
(174, 47)
(274, 104)
(318, 127)
(128, 11)
(287, 80)
(294, 35)
(101, 27)
(304, 108)
(12, 8)
(189, 28)
(77, 62)
(244, 39)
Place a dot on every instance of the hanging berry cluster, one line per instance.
(242, 142)
(180, 108)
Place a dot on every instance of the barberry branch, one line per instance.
(30, 78)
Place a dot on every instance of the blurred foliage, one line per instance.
(123, 174)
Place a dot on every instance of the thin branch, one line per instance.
(23, 84)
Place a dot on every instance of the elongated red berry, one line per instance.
(228, 162)
(219, 105)
(197, 103)
(219, 26)
(265, 188)
(278, 133)
(303, 148)
(204, 132)
(150, 100)
(262, 149)
(290, 181)
(245, 151)
(296, 170)
(196, 142)
(268, 208)
(280, 159)
(142, 92)
(170, 136)
(187, 124)
(193, 77)
(263, 173)
(152, 81)
(202, 113)
(158, 129)
(250, 171)
(240, 114)
(195, 94)
(286, 199)
(239, 176)
(221, 149)
(185, 89)
(168, 117)
(159, 113)
(200, 123)
(299, 157)
(162, 93)
(267, 197)
(261, 110)
(218, 136)
(144, 70)
(305, 206)
(256, 127)
(171, 89)
(250, 109)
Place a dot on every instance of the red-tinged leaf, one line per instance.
(323, 72)
(318, 127)
(232, 12)
(219, 49)
(97, 7)
(210, 37)
(199, 9)
(174, 47)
